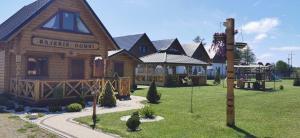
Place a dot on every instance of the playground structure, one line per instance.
(253, 76)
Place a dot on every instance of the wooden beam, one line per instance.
(230, 71)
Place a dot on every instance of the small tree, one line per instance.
(218, 76)
(153, 96)
(107, 97)
(297, 80)
(133, 122)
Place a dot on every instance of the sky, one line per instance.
(269, 27)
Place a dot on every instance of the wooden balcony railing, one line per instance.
(40, 90)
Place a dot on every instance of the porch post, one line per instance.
(146, 75)
(105, 67)
(18, 66)
(37, 91)
(18, 72)
(165, 72)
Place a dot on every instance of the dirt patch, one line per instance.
(12, 127)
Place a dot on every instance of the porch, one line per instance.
(36, 91)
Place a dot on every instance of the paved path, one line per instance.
(64, 125)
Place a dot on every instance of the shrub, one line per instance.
(2, 110)
(10, 105)
(37, 111)
(297, 80)
(82, 102)
(281, 87)
(3, 100)
(74, 107)
(20, 108)
(58, 93)
(153, 96)
(54, 108)
(147, 112)
(133, 122)
(256, 85)
(35, 116)
(217, 80)
(107, 97)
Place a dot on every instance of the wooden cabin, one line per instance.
(197, 51)
(170, 66)
(171, 46)
(60, 46)
(218, 61)
(138, 45)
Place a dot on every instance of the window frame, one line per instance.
(61, 20)
(41, 75)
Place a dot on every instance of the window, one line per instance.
(53, 23)
(37, 66)
(67, 21)
(80, 26)
(143, 50)
(181, 70)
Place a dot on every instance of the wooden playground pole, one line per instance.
(230, 32)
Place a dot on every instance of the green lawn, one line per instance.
(260, 114)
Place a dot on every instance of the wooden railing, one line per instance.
(37, 90)
(174, 80)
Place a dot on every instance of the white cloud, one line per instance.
(262, 26)
(265, 57)
(260, 37)
(286, 48)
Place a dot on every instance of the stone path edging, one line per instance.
(63, 124)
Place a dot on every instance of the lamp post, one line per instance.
(95, 92)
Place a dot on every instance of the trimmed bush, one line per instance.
(3, 100)
(133, 122)
(107, 97)
(153, 96)
(147, 112)
(297, 80)
(281, 87)
(54, 108)
(35, 116)
(82, 102)
(74, 107)
(20, 108)
(217, 80)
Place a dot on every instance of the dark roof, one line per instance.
(190, 48)
(19, 19)
(162, 45)
(27, 13)
(127, 42)
(120, 51)
(218, 58)
(171, 59)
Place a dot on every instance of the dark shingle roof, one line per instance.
(190, 48)
(162, 45)
(120, 51)
(171, 59)
(218, 58)
(127, 42)
(19, 19)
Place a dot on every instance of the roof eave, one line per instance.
(126, 52)
(11, 34)
(101, 24)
